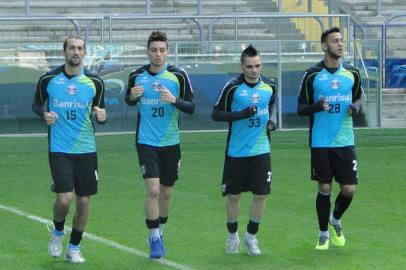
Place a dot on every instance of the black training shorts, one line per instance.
(74, 172)
(337, 162)
(243, 174)
(160, 162)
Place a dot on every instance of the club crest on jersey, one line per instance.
(71, 90)
(156, 86)
(335, 84)
(255, 98)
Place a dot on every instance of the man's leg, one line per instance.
(165, 196)
(164, 202)
(323, 206)
(60, 211)
(342, 203)
(80, 219)
(256, 212)
(151, 207)
(233, 212)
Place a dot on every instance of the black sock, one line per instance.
(341, 204)
(152, 223)
(323, 210)
(252, 227)
(59, 225)
(163, 220)
(232, 226)
(75, 237)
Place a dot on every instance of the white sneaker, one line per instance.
(55, 244)
(252, 247)
(73, 255)
(232, 246)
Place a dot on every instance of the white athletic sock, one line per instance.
(249, 236)
(161, 229)
(334, 221)
(324, 233)
(233, 236)
(153, 233)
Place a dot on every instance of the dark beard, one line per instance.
(74, 64)
(333, 55)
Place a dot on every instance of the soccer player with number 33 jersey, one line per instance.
(246, 102)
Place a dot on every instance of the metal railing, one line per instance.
(200, 6)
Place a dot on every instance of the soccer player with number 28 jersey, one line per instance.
(246, 102)
(160, 90)
(330, 94)
(72, 95)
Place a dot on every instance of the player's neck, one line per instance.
(331, 62)
(73, 71)
(156, 69)
(251, 81)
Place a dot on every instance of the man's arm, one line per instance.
(220, 115)
(185, 101)
(356, 93)
(98, 101)
(40, 97)
(304, 109)
(186, 106)
(272, 116)
(131, 96)
(306, 106)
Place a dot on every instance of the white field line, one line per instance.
(97, 238)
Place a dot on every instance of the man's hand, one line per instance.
(136, 92)
(50, 118)
(101, 115)
(353, 109)
(250, 111)
(325, 104)
(166, 95)
(271, 126)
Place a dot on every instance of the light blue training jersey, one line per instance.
(72, 99)
(247, 137)
(334, 127)
(158, 121)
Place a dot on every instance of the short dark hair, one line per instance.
(65, 43)
(250, 51)
(327, 32)
(157, 36)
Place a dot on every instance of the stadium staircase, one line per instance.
(178, 30)
(393, 108)
(364, 12)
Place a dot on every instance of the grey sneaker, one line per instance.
(73, 255)
(232, 246)
(55, 244)
(252, 247)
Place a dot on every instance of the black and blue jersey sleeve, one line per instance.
(306, 105)
(222, 107)
(41, 94)
(185, 101)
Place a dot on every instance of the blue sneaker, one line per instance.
(162, 246)
(155, 245)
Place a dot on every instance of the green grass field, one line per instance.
(195, 235)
